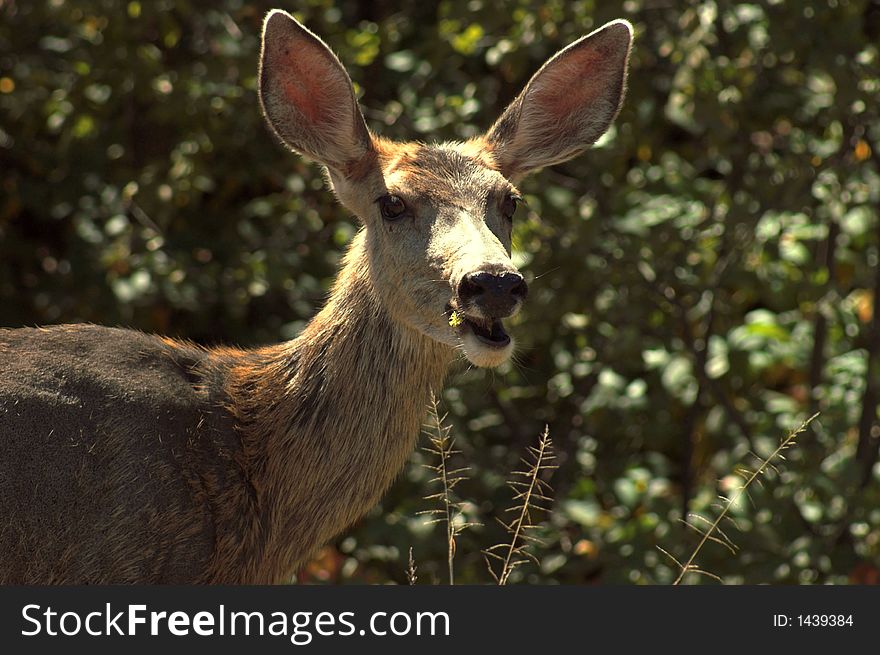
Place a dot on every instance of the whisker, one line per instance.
(555, 268)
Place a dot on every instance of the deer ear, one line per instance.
(307, 96)
(567, 105)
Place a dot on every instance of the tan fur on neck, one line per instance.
(356, 387)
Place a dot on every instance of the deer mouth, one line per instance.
(488, 331)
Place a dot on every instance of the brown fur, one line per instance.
(134, 458)
(278, 452)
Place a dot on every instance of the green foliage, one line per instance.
(702, 280)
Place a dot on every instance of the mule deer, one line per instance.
(134, 458)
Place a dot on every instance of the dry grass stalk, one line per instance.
(531, 493)
(449, 512)
(411, 569)
(712, 531)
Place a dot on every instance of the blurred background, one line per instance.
(702, 280)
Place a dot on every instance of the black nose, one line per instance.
(495, 293)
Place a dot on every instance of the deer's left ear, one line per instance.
(567, 105)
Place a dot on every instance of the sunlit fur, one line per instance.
(134, 458)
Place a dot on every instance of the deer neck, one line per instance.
(330, 418)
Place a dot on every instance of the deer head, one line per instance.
(438, 218)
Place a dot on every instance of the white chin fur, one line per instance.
(482, 355)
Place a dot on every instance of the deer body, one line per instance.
(126, 457)
(318, 429)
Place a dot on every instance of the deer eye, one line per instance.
(508, 205)
(392, 207)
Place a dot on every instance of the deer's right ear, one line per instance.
(307, 96)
